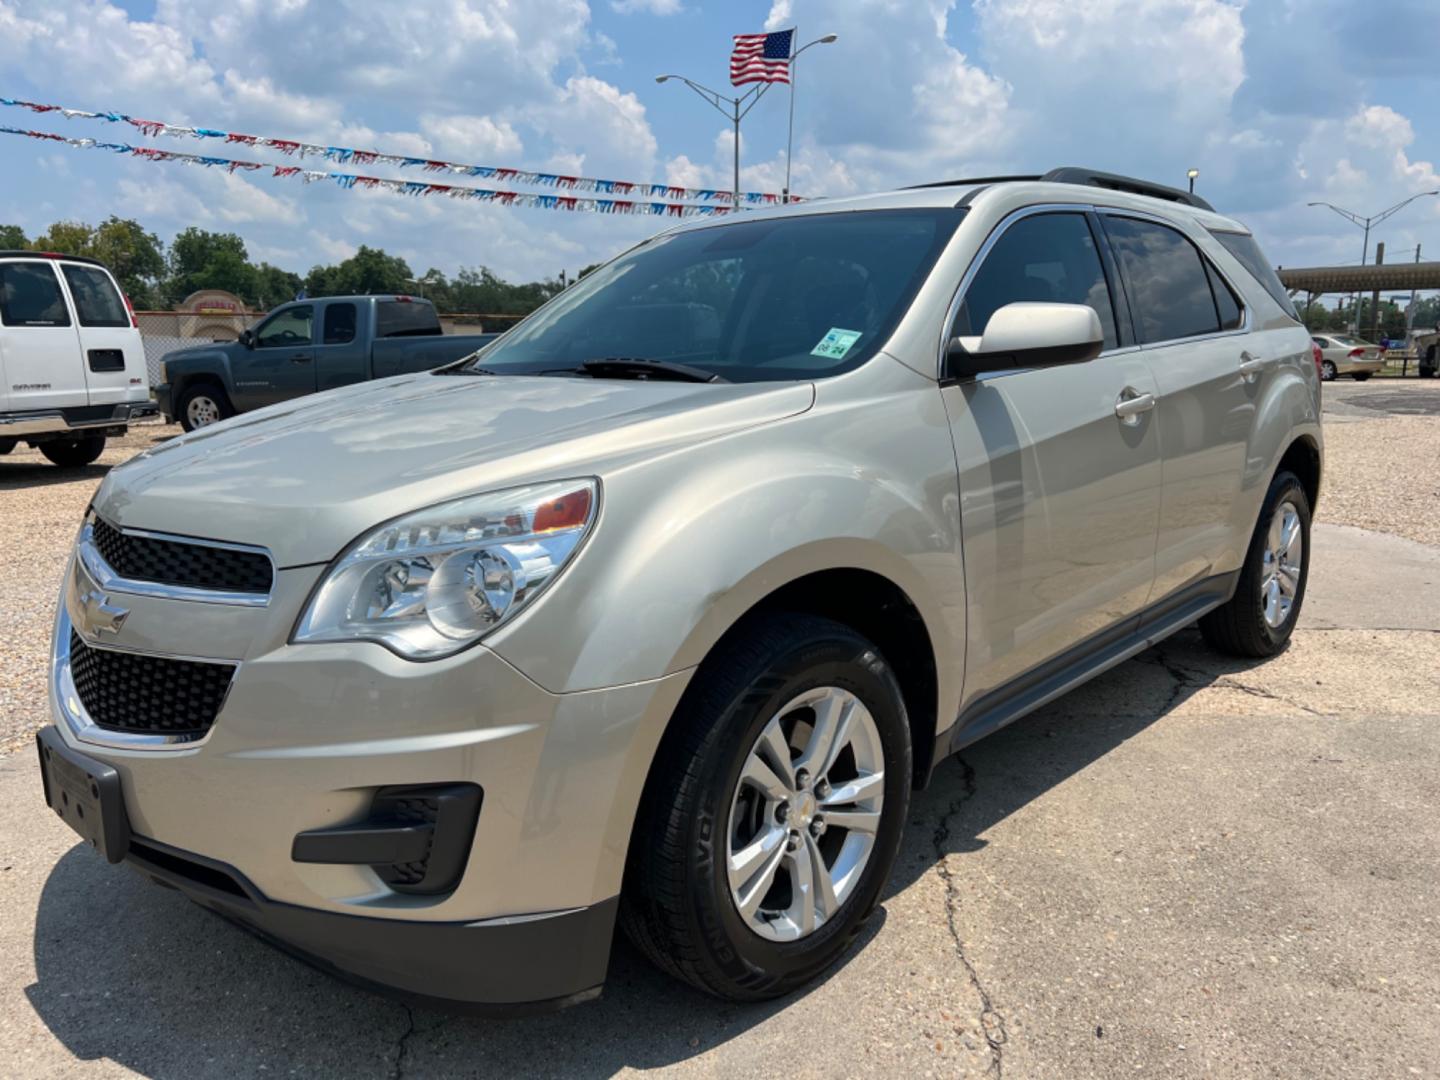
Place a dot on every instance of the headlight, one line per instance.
(433, 582)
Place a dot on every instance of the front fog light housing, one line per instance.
(433, 582)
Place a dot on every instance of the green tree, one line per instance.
(66, 237)
(133, 255)
(369, 270)
(200, 259)
(274, 286)
(12, 238)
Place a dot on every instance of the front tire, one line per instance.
(74, 453)
(773, 811)
(1258, 620)
(201, 405)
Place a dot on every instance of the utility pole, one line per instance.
(1375, 296)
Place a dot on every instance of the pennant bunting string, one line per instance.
(419, 188)
(344, 155)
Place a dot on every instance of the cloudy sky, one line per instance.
(1276, 102)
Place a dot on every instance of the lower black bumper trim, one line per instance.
(514, 966)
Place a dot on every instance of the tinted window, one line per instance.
(793, 297)
(97, 301)
(1047, 257)
(291, 327)
(1225, 300)
(339, 324)
(405, 318)
(1165, 280)
(30, 295)
(1247, 252)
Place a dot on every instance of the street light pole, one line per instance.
(827, 39)
(1191, 175)
(1365, 223)
(737, 109)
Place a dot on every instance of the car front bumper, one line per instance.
(306, 737)
(164, 399)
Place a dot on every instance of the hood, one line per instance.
(306, 477)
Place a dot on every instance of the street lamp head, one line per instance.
(829, 39)
(663, 78)
(1193, 173)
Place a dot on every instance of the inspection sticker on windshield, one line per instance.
(836, 343)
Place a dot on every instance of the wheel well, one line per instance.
(877, 609)
(1303, 459)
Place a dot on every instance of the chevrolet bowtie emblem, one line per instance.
(101, 616)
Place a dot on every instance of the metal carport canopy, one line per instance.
(1329, 279)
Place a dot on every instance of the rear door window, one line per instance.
(1226, 302)
(30, 295)
(291, 327)
(1044, 257)
(405, 318)
(339, 324)
(97, 301)
(1165, 280)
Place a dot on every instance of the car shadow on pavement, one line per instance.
(138, 975)
(15, 475)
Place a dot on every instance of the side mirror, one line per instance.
(247, 338)
(1025, 335)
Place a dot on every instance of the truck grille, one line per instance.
(150, 695)
(174, 562)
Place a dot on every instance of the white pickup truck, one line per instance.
(71, 356)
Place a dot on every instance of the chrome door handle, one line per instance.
(299, 358)
(1130, 405)
(1252, 365)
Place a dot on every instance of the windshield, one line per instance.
(783, 298)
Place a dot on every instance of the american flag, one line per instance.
(761, 58)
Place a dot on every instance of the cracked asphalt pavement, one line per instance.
(1190, 867)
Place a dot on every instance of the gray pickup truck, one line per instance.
(303, 347)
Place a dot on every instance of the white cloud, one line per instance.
(647, 7)
(475, 139)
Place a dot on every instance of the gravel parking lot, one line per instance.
(1189, 867)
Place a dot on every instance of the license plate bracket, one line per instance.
(85, 793)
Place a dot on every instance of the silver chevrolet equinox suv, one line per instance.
(657, 609)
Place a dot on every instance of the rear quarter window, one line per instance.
(30, 295)
(97, 301)
(405, 318)
(1247, 252)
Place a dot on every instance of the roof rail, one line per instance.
(1115, 182)
(972, 180)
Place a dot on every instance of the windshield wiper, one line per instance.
(637, 367)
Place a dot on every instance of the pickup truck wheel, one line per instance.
(1258, 620)
(203, 405)
(773, 810)
(74, 453)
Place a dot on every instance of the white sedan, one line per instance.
(1341, 354)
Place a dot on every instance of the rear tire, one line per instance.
(201, 405)
(6, 445)
(703, 810)
(74, 453)
(1361, 376)
(1327, 370)
(1257, 621)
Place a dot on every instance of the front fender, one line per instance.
(687, 543)
(212, 364)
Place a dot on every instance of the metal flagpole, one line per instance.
(790, 138)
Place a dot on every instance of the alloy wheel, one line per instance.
(202, 411)
(805, 813)
(1282, 564)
